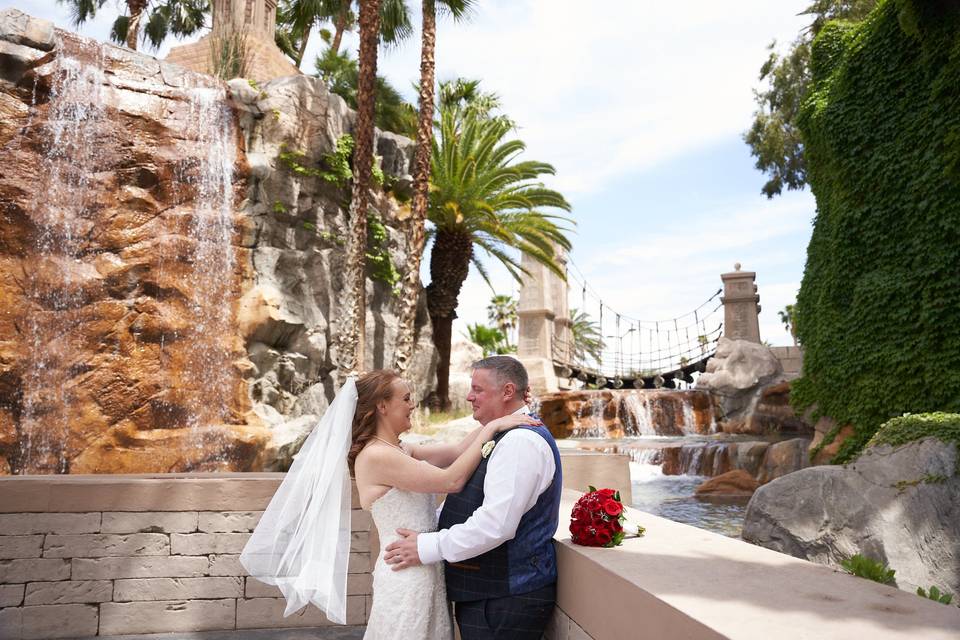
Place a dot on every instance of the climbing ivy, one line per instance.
(378, 253)
(334, 166)
(879, 307)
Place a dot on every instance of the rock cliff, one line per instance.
(168, 284)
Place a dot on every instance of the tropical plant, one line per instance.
(483, 197)
(353, 323)
(933, 593)
(774, 137)
(864, 567)
(490, 339)
(421, 177)
(229, 55)
(502, 312)
(788, 316)
(585, 338)
(157, 18)
(340, 73)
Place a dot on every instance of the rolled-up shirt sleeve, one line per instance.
(521, 467)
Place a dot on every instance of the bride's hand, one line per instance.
(513, 420)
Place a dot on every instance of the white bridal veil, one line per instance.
(302, 542)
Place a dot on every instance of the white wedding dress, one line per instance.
(410, 603)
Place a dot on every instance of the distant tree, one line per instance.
(788, 316)
(490, 339)
(502, 312)
(585, 337)
(774, 138)
(155, 18)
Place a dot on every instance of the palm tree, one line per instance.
(295, 22)
(502, 311)
(353, 323)
(159, 18)
(482, 196)
(585, 337)
(410, 285)
(490, 339)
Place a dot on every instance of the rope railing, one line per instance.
(636, 351)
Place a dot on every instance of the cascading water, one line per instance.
(62, 201)
(65, 278)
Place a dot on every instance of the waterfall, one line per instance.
(60, 215)
(64, 285)
(638, 414)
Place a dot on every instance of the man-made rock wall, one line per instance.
(899, 506)
(89, 556)
(158, 312)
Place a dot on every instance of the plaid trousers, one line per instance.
(519, 617)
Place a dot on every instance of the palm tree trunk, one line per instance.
(421, 184)
(353, 324)
(303, 43)
(449, 265)
(135, 8)
(340, 25)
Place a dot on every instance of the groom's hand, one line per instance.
(403, 552)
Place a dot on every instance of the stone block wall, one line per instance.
(92, 555)
(563, 627)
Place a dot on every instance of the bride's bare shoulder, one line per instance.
(376, 454)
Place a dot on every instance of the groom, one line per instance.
(496, 535)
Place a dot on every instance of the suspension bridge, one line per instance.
(622, 350)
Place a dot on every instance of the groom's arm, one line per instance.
(521, 467)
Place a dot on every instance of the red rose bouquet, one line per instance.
(597, 519)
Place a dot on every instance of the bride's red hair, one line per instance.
(373, 388)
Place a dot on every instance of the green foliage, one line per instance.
(335, 166)
(502, 312)
(228, 55)
(934, 594)
(278, 207)
(879, 300)
(912, 427)
(788, 316)
(160, 18)
(774, 137)
(341, 72)
(864, 567)
(378, 252)
(490, 339)
(585, 337)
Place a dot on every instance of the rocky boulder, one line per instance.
(898, 505)
(732, 484)
(752, 390)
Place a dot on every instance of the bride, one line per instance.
(302, 542)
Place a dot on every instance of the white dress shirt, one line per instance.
(520, 468)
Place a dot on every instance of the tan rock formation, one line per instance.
(737, 483)
(626, 412)
(137, 211)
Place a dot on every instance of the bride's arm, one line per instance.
(389, 467)
(442, 454)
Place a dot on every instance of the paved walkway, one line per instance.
(308, 633)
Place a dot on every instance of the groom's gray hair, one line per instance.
(507, 369)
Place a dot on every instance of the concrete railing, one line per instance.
(682, 582)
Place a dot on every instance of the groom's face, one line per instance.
(487, 396)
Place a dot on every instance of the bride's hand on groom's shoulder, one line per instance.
(514, 420)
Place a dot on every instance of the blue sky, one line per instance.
(641, 107)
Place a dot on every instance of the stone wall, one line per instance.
(93, 555)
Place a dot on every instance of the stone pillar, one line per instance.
(255, 21)
(536, 315)
(741, 308)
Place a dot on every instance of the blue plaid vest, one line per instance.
(520, 565)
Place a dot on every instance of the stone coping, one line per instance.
(138, 492)
(682, 582)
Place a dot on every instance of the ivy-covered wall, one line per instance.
(879, 305)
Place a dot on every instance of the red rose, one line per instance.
(606, 493)
(604, 537)
(612, 508)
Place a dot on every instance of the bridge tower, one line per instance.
(741, 305)
(253, 22)
(544, 321)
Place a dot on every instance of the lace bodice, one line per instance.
(410, 603)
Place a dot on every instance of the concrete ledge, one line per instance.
(682, 582)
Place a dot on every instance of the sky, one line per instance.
(640, 106)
